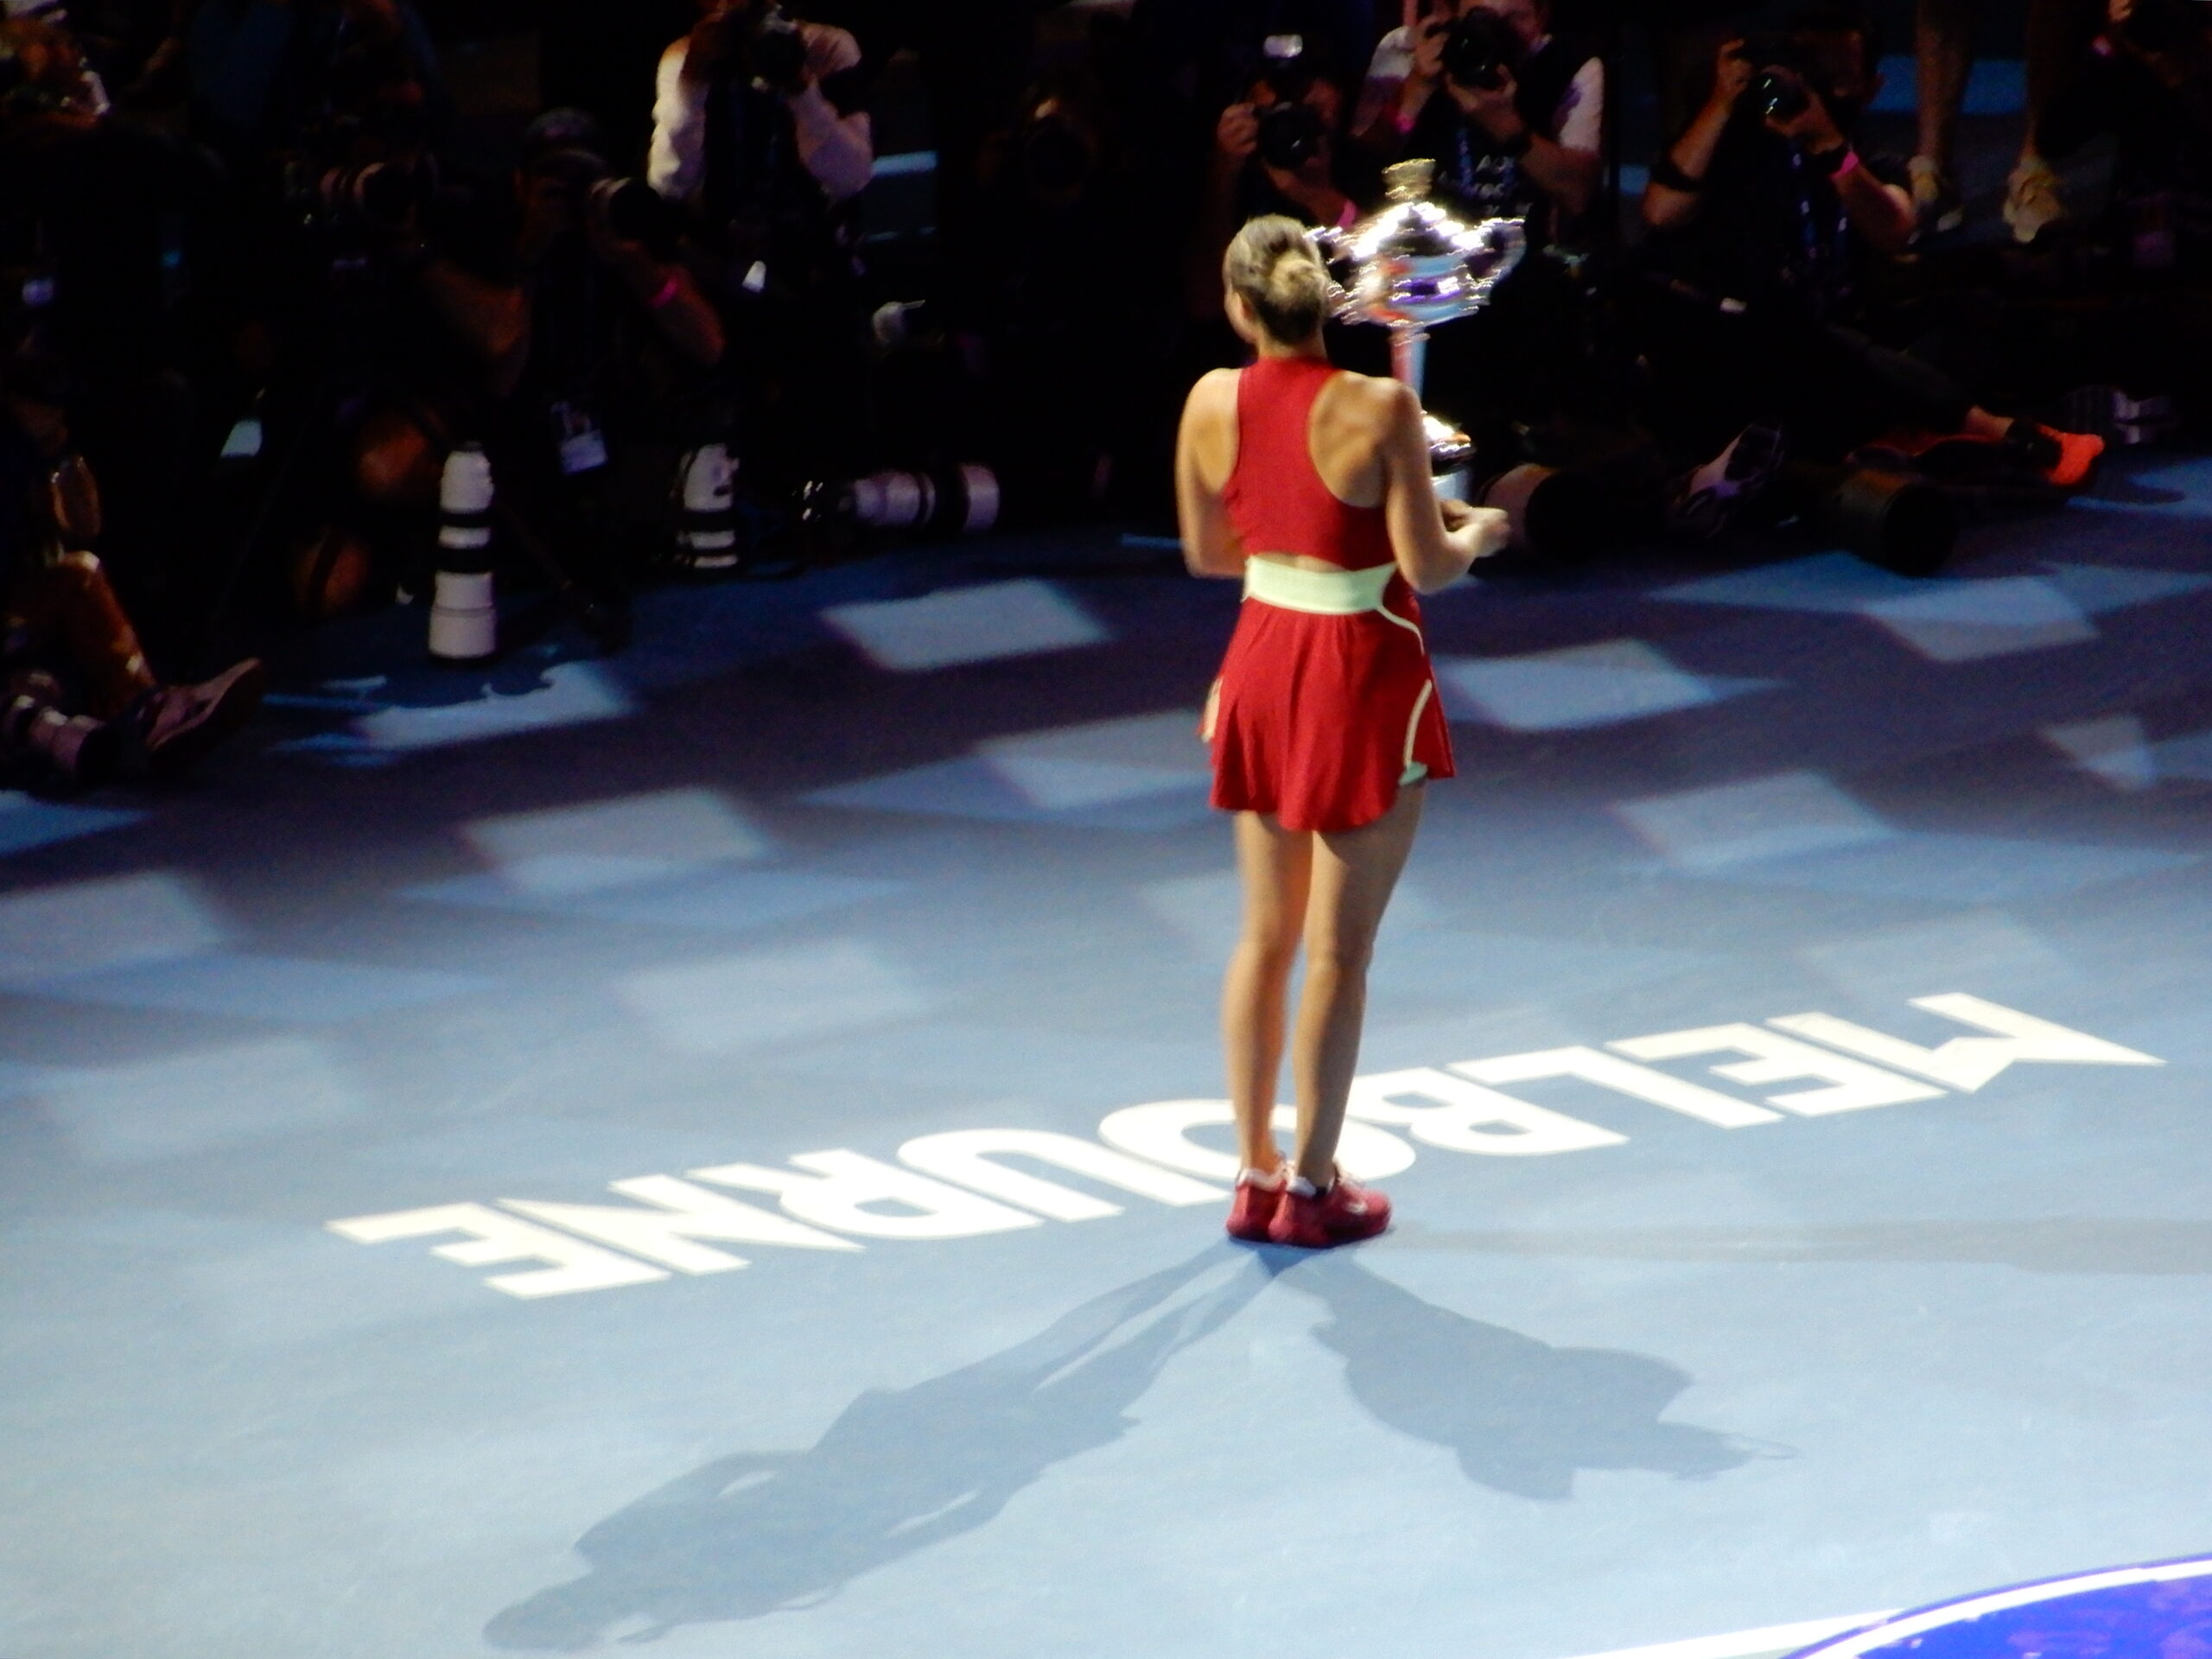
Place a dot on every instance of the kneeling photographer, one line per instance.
(610, 380)
(1768, 229)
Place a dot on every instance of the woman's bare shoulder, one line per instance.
(1375, 391)
(1214, 389)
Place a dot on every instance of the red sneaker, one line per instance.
(1345, 1214)
(2076, 458)
(1253, 1209)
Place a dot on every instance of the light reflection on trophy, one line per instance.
(1412, 267)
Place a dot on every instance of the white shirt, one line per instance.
(838, 150)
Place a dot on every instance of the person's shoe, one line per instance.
(2123, 421)
(178, 724)
(1712, 495)
(1937, 206)
(1253, 1209)
(2032, 200)
(2062, 460)
(1312, 1219)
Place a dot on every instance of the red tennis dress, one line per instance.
(1327, 706)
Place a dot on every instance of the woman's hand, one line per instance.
(1477, 533)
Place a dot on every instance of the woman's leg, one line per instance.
(1353, 874)
(1277, 867)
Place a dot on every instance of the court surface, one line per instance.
(865, 930)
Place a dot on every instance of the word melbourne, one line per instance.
(961, 1183)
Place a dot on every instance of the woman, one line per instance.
(1314, 486)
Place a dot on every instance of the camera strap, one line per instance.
(1826, 249)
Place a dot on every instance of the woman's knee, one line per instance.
(1271, 948)
(1338, 957)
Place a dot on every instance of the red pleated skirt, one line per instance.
(1317, 720)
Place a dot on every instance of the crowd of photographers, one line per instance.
(286, 335)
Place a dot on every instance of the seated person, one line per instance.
(130, 236)
(1768, 227)
(2146, 80)
(1277, 150)
(1513, 116)
(76, 689)
(594, 338)
(1054, 330)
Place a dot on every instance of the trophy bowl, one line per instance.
(1413, 265)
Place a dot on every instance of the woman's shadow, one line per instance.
(902, 1470)
(898, 1472)
(1521, 1416)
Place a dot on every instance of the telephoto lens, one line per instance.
(464, 621)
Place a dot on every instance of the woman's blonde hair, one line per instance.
(1275, 267)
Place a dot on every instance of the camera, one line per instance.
(1290, 135)
(1481, 51)
(635, 212)
(1777, 91)
(775, 50)
(1291, 130)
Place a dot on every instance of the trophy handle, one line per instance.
(1333, 246)
(1494, 247)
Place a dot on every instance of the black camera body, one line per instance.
(1778, 91)
(775, 49)
(637, 212)
(1291, 135)
(1481, 51)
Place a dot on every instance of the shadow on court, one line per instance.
(2059, 1244)
(1520, 1415)
(902, 1470)
(898, 1472)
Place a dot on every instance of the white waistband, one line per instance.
(1321, 592)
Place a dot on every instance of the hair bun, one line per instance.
(1272, 265)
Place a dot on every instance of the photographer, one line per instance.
(1768, 230)
(76, 689)
(618, 342)
(583, 342)
(120, 242)
(1771, 143)
(1275, 151)
(753, 106)
(1513, 114)
(273, 75)
(758, 130)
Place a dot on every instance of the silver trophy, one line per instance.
(1412, 267)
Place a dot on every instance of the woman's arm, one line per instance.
(1210, 543)
(1429, 555)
